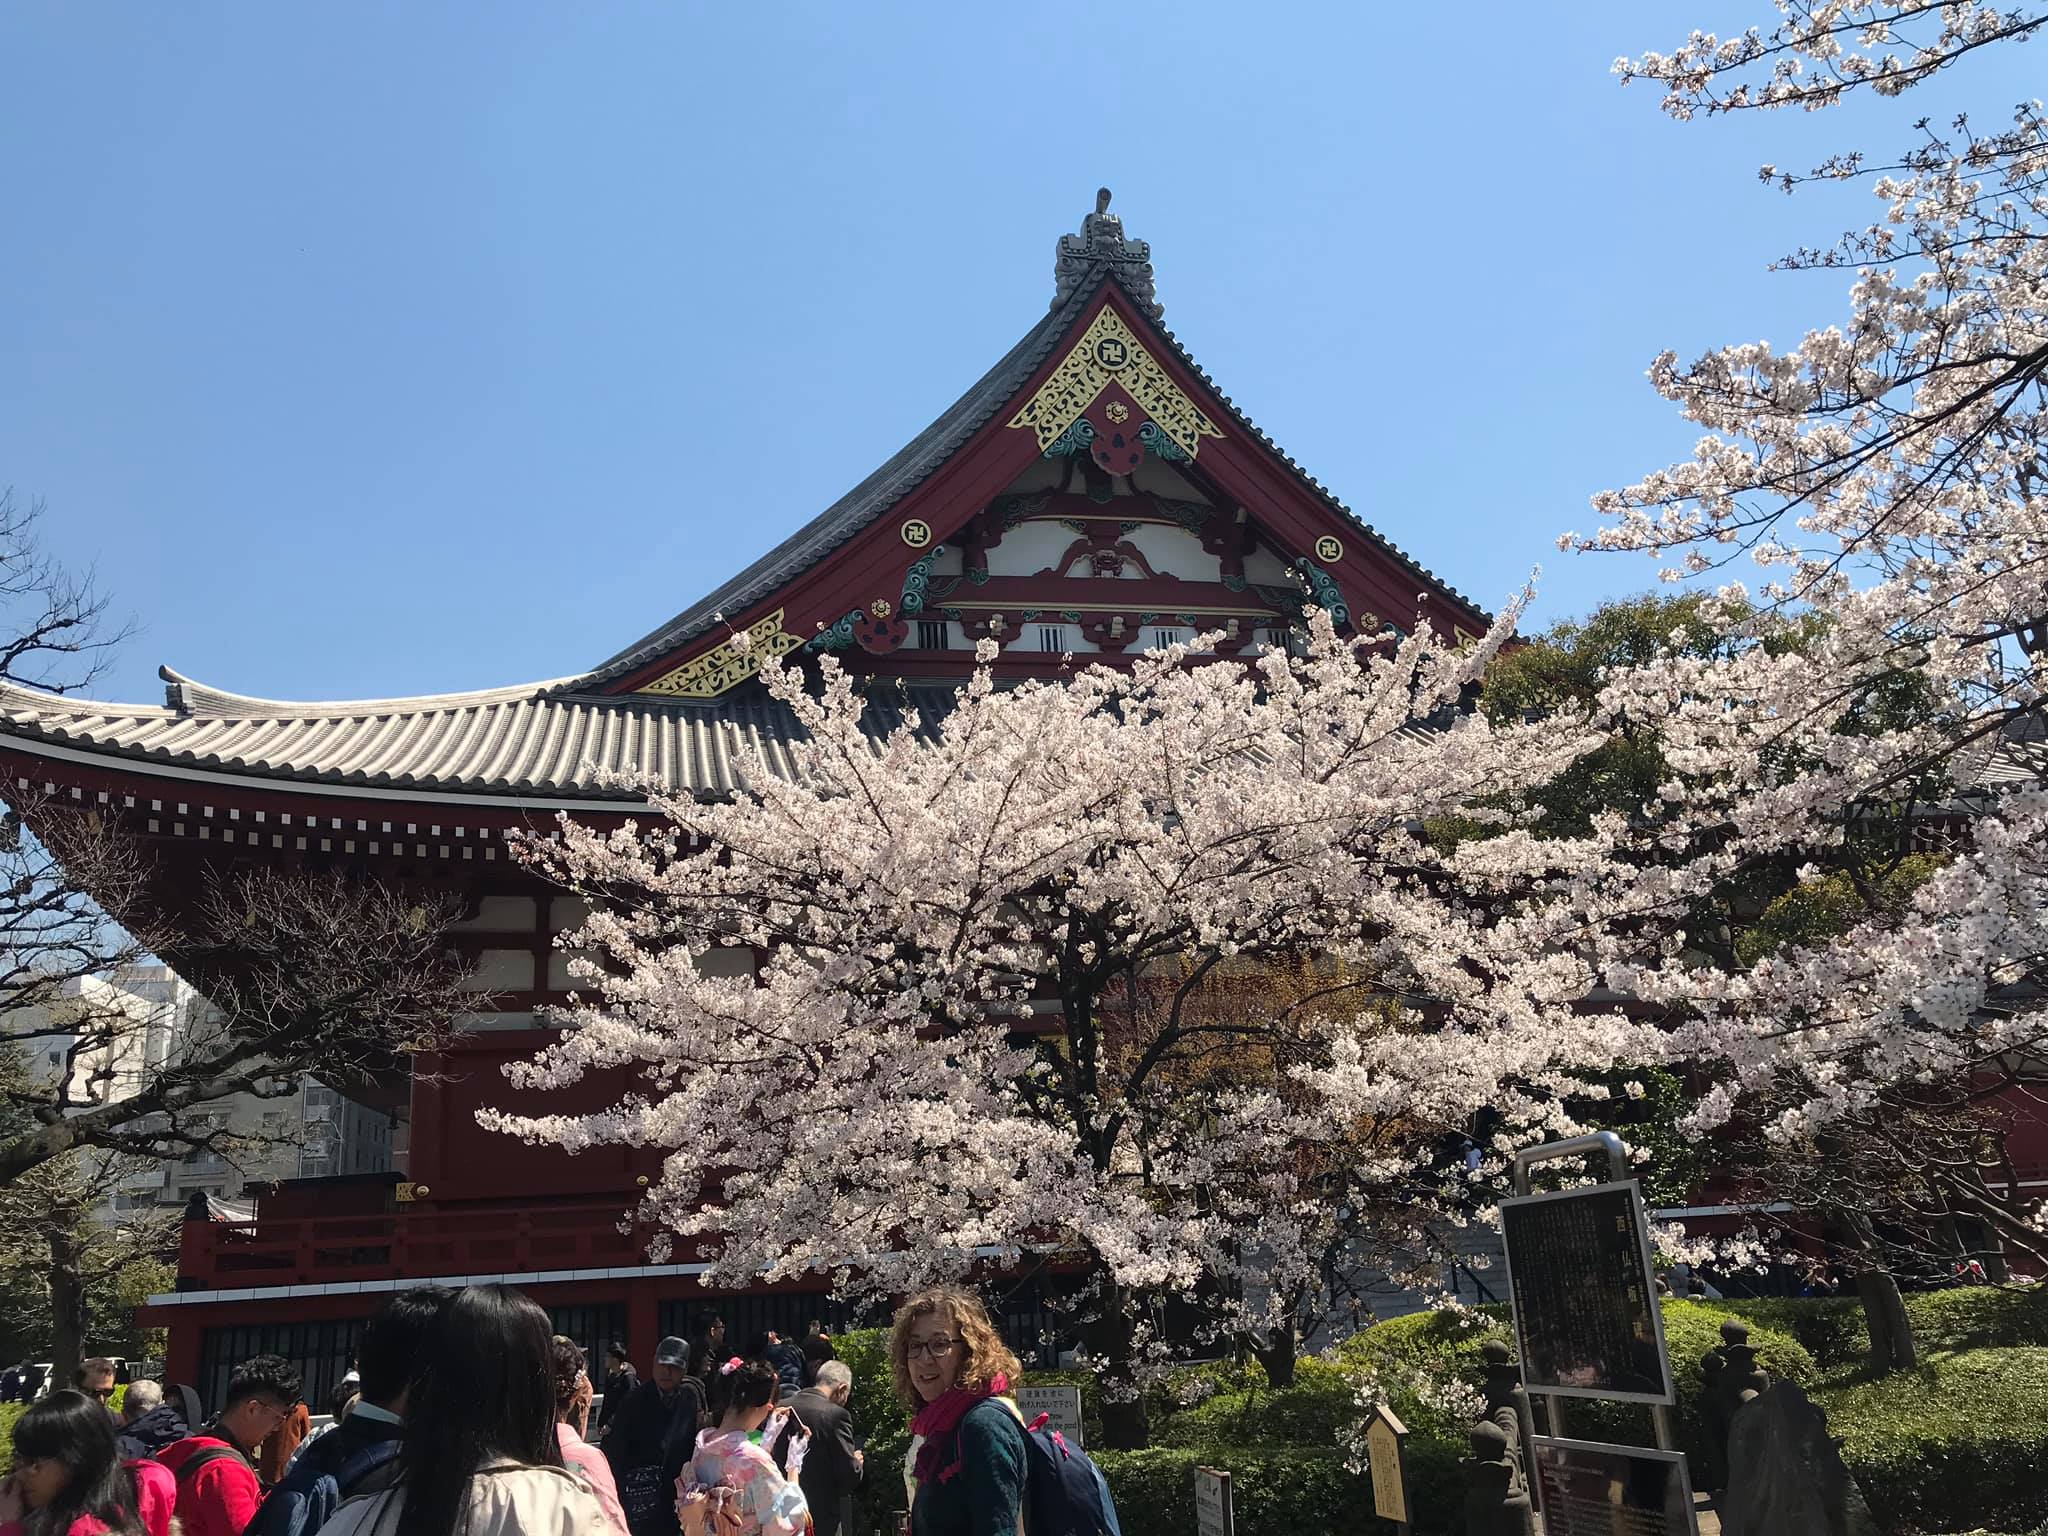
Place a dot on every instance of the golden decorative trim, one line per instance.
(917, 533)
(1109, 351)
(1329, 549)
(725, 665)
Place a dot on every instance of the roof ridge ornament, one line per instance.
(1102, 243)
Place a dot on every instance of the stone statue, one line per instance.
(1505, 1394)
(1496, 1496)
(1730, 1377)
(1497, 1501)
(1785, 1473)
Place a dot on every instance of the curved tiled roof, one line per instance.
(535, 739)
(926, 453)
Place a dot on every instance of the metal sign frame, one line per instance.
(1666, 1398)
(1541, 1443)
(1611, 1147)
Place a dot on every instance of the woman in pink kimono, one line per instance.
(732, 1484)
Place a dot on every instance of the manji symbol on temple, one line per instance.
(1093, 495)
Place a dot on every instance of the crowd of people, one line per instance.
(466, 1415)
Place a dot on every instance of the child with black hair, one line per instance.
(733, 1476)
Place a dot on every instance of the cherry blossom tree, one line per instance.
(1885, 479)
(990, 1021)
(1014, 1001)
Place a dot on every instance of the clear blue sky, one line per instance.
(381, 348)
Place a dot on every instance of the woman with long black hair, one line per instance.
(68, 1479)
(481, 1457)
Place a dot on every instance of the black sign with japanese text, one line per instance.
(1584, 1297)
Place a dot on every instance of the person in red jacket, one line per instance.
(218, 1490)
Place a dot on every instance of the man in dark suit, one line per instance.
(832, 1465)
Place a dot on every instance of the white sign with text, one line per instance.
(1214, 1515)
(1060, 1405)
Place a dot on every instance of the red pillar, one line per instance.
(643, 1323)
(181, 1354)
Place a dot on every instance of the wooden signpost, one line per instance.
(1060, 1405)
(1214, 1515)
(1386, 1445)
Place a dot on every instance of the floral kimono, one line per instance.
(739, 1463)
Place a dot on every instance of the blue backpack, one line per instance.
(306, 1499)
(1064, 1492)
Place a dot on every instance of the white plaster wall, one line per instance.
(501, 914)
(1026, 550)
(1174, 552)
(501, 970)
(1268, 569)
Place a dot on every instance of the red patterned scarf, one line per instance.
(938, 1459)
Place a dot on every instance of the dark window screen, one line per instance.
(593, 1324)
(322, 1352)
(789, 1313)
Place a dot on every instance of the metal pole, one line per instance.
(1660, 1421)
(1578, 1146)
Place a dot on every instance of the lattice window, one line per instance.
(1162, 638)
(1053, 637)
(934, 635)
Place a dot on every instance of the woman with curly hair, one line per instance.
(965, 1473)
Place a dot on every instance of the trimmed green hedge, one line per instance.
(1691, 1329)
(1979, 1317)
(1960, 1443)
(1967, 1317)
(1275, 1493)
(1831, 1330)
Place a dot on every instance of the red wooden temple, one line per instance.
(1093, 494)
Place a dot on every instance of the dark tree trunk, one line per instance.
(1274, 1350)
(1996, 1269)
(1108, 1339)
(1884, 1314)
(67, 1306)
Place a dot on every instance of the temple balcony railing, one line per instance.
(407, 1243)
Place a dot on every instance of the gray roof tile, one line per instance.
(534, 740)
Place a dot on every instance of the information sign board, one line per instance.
(1213, 1513)
(1060, 1405)
(1585, 1297)
(1386, 1450)
(1612, 1490)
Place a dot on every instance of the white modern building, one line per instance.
(145, 1015)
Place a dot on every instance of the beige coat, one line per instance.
(504, 1501)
